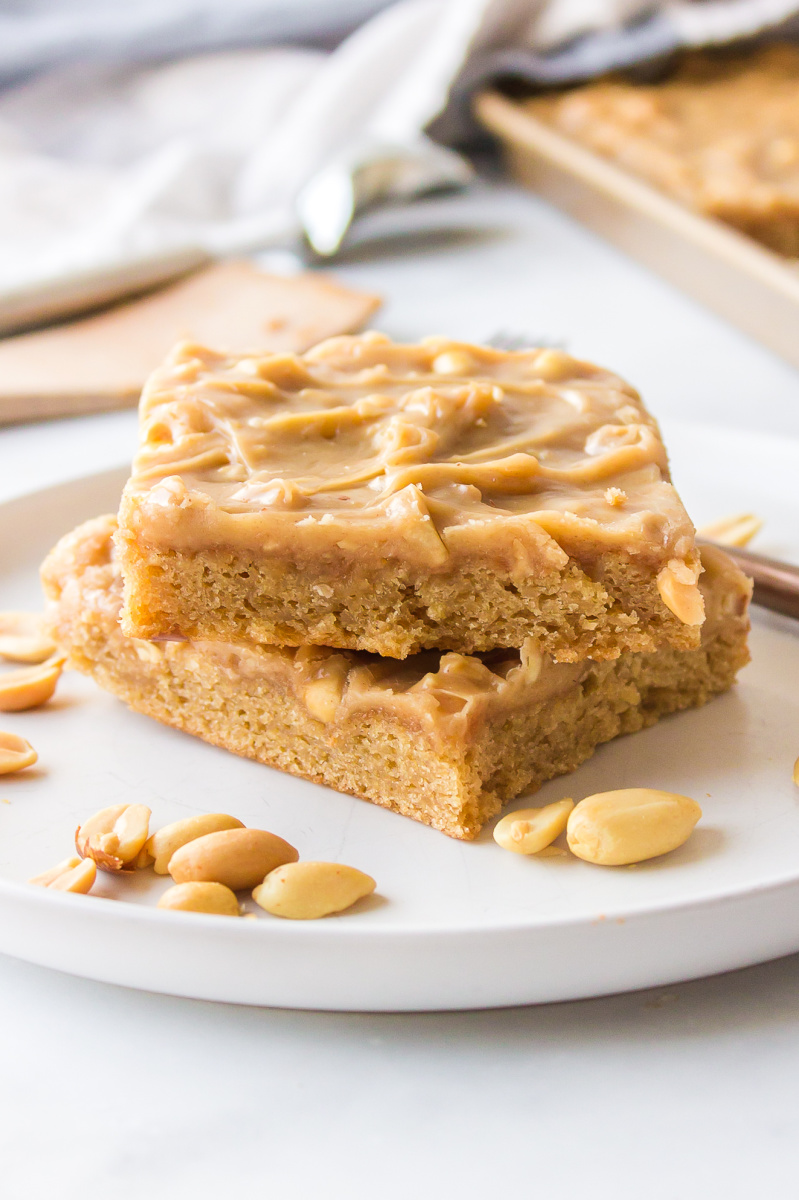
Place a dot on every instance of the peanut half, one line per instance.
(732, 531)
(30, 686)
(164, 842)
(24, 637)
(114, 837)
(71, 875)
(201, 898)
(304, 891)
(322, 696)
(239, 858)
(677, 584)
(15, 753)
(532, 829)
(630, 825)
(453, 362)
(796, 772)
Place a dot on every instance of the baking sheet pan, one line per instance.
(736, 277)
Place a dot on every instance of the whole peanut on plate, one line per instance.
(530, 830)
(238, 858)
(304, 891)
(631, 825)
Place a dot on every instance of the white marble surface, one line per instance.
(680, 1093)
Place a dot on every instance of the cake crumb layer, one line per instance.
(444, 738)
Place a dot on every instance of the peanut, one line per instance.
(304, 891)
(322, 696)
(71, 875)
(733, 531)
(630, 825)
(553, 364)
(202, 898)
(532, 659)
(678, 589)
(29, 687)
(143, 859)
(239, 858)
(453, 362)
(532, 829)
(24, 638)
(15, 753)
(164, 842)
(114, 837)
(796, 772)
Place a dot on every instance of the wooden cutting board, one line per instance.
(100, 362)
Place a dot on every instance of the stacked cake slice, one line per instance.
(433, 576)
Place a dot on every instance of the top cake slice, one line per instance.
(391, 498)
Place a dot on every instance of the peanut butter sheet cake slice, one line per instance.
(392, 498)
(443, 738)
(720, 134)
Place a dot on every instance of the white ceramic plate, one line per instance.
(455, 925)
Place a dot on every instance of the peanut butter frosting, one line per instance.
(447, 695)
(363, 450)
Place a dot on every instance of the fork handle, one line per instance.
(776, 583)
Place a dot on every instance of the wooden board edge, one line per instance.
(24, 409)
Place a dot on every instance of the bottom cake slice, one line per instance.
(444, 738)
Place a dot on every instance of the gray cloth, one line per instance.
(40, 34)
(644, 47)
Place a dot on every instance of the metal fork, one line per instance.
(510, 339)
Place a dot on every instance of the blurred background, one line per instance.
(189, 128)
(142, 142)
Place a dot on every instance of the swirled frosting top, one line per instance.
(423, 453)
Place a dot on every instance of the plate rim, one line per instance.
(26, 897)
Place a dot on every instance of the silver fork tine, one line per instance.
(509, 339)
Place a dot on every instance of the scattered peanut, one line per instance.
(202, 898)
(24, 637)
(733, 531)
(71, 875)
(143, 859)
(115, 836)
(533, 829)
(164, 842)
(15, 753)
(30, 686)
(630, 825)
(239, 858)
(304, 891)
